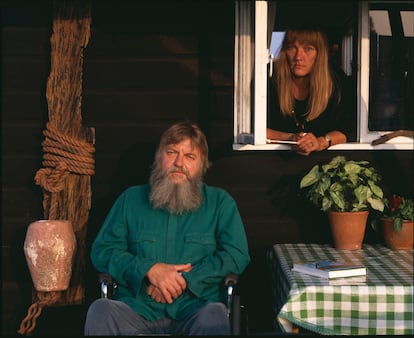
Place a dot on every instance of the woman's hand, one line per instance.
(306, 144)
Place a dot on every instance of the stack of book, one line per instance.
(330, 269)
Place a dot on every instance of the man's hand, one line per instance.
(156, 294)
(166, 281)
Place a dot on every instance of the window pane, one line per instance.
(407, 18)
(391, 70)
(276, 43)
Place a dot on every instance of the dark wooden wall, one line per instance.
(149, 64)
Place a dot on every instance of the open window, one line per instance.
(374, 43)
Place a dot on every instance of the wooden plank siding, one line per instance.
(147, 65)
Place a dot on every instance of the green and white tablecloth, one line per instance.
(382, 305)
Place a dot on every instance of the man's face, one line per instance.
(181, 162)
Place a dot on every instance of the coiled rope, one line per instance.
(62, 155)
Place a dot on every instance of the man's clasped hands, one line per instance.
(166, 281)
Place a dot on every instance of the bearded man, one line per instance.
(169, 244)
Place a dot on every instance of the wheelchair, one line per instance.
(236, 312)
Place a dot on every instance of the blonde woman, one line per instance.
(308, 100)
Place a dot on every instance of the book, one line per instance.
(354, 280)
(330, 269)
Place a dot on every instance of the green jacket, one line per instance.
(135, 236)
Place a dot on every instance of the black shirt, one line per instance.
(339, 116)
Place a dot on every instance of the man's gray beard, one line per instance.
(175, 198)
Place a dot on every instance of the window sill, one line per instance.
(345, 146)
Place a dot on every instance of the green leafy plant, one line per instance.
(344, 185)
(398, 209)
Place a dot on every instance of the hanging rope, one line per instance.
(28, 324)
(67, 161)
(61, 155)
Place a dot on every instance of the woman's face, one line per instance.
(301, 58)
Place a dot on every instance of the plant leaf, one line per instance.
(376, 189)
(352, 168)
(310, 178)
(362, 193)
(326, 204)
(336, 193)
(376, 203)
(397, 224)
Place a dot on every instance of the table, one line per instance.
(382, 305)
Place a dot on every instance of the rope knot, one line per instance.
(52, 180)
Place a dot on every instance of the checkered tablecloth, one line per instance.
(382, 305)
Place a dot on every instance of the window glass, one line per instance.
(276, 43)
(391, 69)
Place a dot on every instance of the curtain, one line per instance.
(243, 70)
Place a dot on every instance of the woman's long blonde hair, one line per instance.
(321, 83)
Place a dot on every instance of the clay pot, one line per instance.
(397, 240)
(348, 229)
(49, 248)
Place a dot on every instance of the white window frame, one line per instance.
(251, 60)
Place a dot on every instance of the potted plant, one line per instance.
(397, 222)
(346, 189)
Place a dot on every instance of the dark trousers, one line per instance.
(108, 317)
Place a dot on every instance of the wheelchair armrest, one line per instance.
(231, 279)
(107, 285)
(233, 303)
(230, 282)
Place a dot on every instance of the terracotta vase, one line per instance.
(348, 229)
(397, 240)
(49, 248)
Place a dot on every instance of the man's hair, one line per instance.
(321, 82)
(181, 131)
